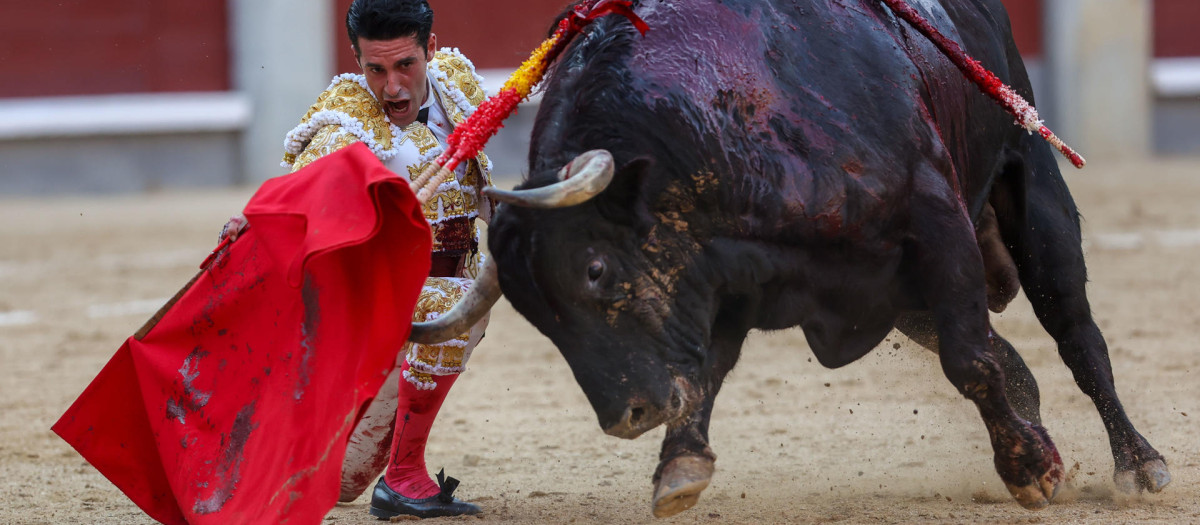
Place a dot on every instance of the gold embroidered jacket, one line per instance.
(347, 112)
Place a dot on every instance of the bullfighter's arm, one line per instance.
(477, 182)
(328, 140)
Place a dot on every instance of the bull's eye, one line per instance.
(595, 270)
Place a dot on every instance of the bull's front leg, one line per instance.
(685, 464)
(947, 266)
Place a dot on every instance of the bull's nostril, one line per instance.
(635, 415)
(634, 421)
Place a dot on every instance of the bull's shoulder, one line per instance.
(348, 105)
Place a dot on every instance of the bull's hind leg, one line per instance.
(1043, 232)
(1019, 383)
(948, 270)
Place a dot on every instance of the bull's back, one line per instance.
(821, 99)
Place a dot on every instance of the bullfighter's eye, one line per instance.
(595, 270)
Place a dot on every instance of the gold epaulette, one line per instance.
(461, 72)
(349, 104)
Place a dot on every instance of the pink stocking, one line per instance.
(415, 412)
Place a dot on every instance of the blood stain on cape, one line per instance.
(229, 469)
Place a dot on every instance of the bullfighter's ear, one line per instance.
(625, 199)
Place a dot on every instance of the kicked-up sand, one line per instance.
(884, 440)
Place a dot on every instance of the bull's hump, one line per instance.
(807, 62)
(702, 49)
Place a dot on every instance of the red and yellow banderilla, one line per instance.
(469, 137)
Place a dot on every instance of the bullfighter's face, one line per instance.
(396, 73)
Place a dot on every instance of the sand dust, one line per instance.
(883, 440)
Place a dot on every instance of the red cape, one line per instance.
(237, 406)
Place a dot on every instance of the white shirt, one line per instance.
(439, 124)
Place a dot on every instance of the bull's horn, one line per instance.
(484, 293)
(581, 179)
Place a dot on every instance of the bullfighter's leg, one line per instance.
(393, 429)
(1019, 383)
(948, 270)
(1042, 229)
(369, 443)
(685, 464)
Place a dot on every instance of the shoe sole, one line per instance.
(383, 514)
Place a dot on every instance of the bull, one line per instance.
(814, 163)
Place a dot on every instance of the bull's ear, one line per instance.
(625, 199)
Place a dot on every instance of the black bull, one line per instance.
(812, 163)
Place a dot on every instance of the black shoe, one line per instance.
(387, 503)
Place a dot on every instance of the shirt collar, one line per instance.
(430, 93)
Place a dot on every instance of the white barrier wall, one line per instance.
(1098, 68)
(282, 59)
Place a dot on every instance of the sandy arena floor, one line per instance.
(884, 440)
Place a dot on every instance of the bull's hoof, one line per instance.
(679, 486)
(1151, 476)
(1035, 496)
(1038, 451)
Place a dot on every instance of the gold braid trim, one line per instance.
(328, 140)
(426, 361)
(347, 104)
(461, 73)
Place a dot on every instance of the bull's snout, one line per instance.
(636, 420)
(640, 416)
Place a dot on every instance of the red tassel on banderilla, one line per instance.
(988, 82)
(469, 137)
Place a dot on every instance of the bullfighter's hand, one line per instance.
(233, 228)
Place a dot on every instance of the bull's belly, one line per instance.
(838, 341)
(845, 307)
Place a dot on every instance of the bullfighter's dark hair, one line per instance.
(388, 19)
